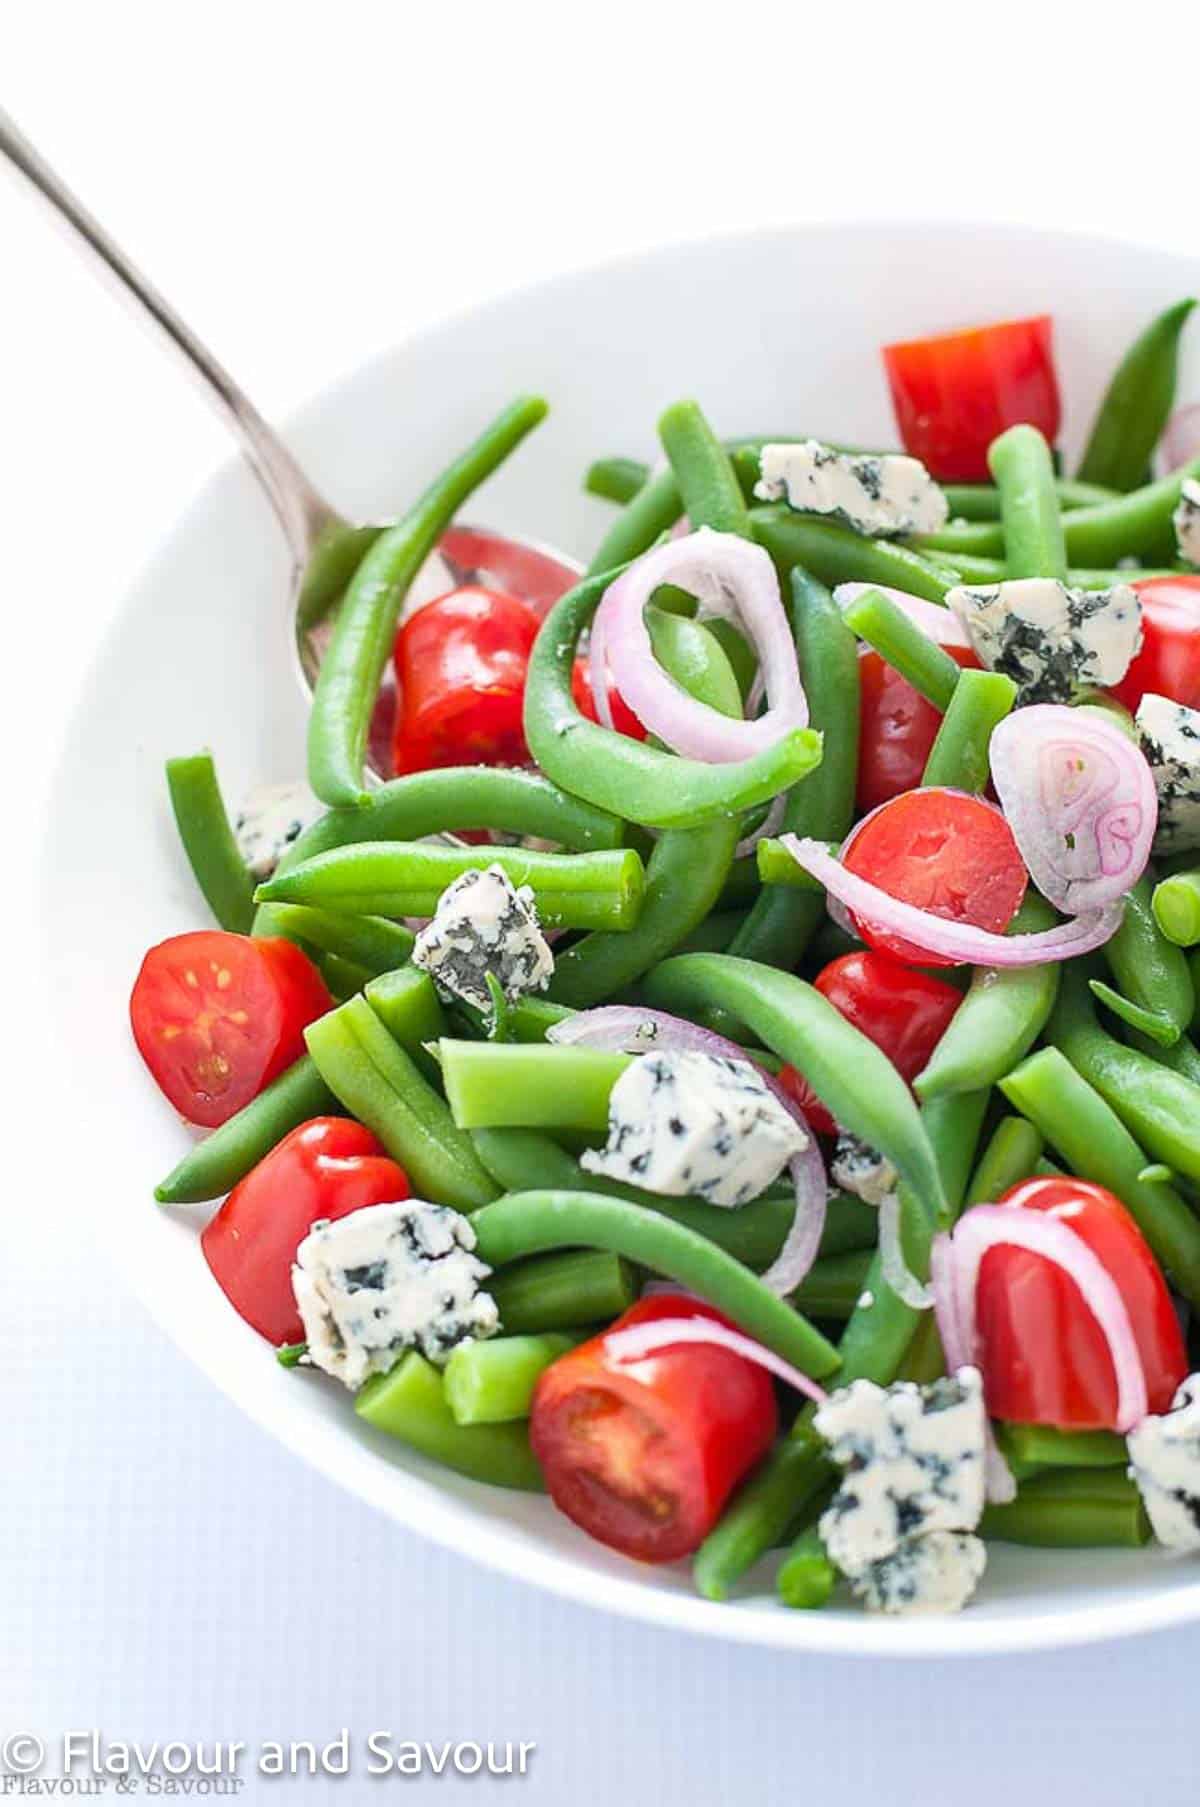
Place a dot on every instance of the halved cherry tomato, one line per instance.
(217, 1017)
(905, 1013)
(944, 851)
(898, 729)
(624, 720)
(1169, 662)
(460, 670)
(955, 392)
(1043, 1356)
(324, 1169)
(643, 1455)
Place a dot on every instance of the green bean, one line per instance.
(743, 660)
(833, 1285)
(209, 842)
(780, 926)
(1011, 1156)
(807, 1578)
(764, 1511)
(616, 479)
(382, 1086)
(215, 1166)
(981, 501)
(1159, 1107)
(1137, 404)
(710, 491)
(339, 551)
(655, 789)
(493, 1382)
(1152, 974)
(924, 1360)
(524, 1086)
(409, 1402)
(348, 680)
(407, 1004)
(1002, 1015)
(526, 1223)
(1177, 908)
(646, 517)
(1072, 1509)
(978, 704)
(876, 619)
(778, 869)
(1031, 521)
(345, 978)
(1182, 1056)
(834, 554)
(291, 1355)
(1095, 1144)
(530, 1019)
(559, 1291)
(714, 934)
(370, 942)
(1028, 1448)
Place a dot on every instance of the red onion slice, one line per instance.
(640, 1341)
(896, 1271)
(771, 823)
(958, 941)
(956, 1280)
(1181, 440)
(1080, 800)
(731, 577)
(624, 1029)
(940, 624)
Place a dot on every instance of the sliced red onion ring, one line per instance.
(771, 823)
(642, 1340)
(598, 670)
(1181, 440)
(940, 624)
(896, 1271)
(956, 1280)
(729, 577)
(624, 1029)
(958, 941)
(1080, 799)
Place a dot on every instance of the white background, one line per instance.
(309, 185)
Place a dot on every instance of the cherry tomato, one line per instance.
(955, 392)
(898, 729)
(1169, 662)
(324, 1169)
(624, 720)
(643, 1455)
(1043, 1356)
(217, 1017)
(460, 671)
(905, 1013)
(944, 851)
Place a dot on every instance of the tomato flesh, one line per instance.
(1169, 662)
(1043, 1356)
(216, 1017)
(905, 1013)
(643, 1455)
(953, 393)
(942, 851)
(326, 1168)
(460, 667)
(623, 719)
(897, 731)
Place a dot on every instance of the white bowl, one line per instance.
(776, 331)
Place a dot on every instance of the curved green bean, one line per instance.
(1031, 521)
(1002, 1015)
(209, 841)
(836, 555)
(710, 491)
(649, 514)
(214, 1166)
(409, 1402)
(1137, 404)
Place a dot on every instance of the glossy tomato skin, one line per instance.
(1169, 662)
(643, 1455)
(624, 720)
(943, 851)
(898, 729)
(218, 1016)
(324, 1169)
(1043, 1357)
(954, 393)
(460, 666)
(905, 1013)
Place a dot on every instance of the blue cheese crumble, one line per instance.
(1164, 1457)
(272, 817)
(485, 924)
(1169, 736)
(858, 1168)
(386, 1279)
(687, 1124)
(1051, 640)
(1187, 522)
(884, 494)
(913, 1462)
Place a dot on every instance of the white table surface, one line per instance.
(309, 187)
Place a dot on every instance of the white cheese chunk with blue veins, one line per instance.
(885, 493)
(699, 1125)
(1187, 522)
(1051, 640)
(913, 1461)
(485, 924)
(1169, 735)
(936, 1573)
(858, 1168)
(386, 1279)
(271, 818)
(1164, 1455)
